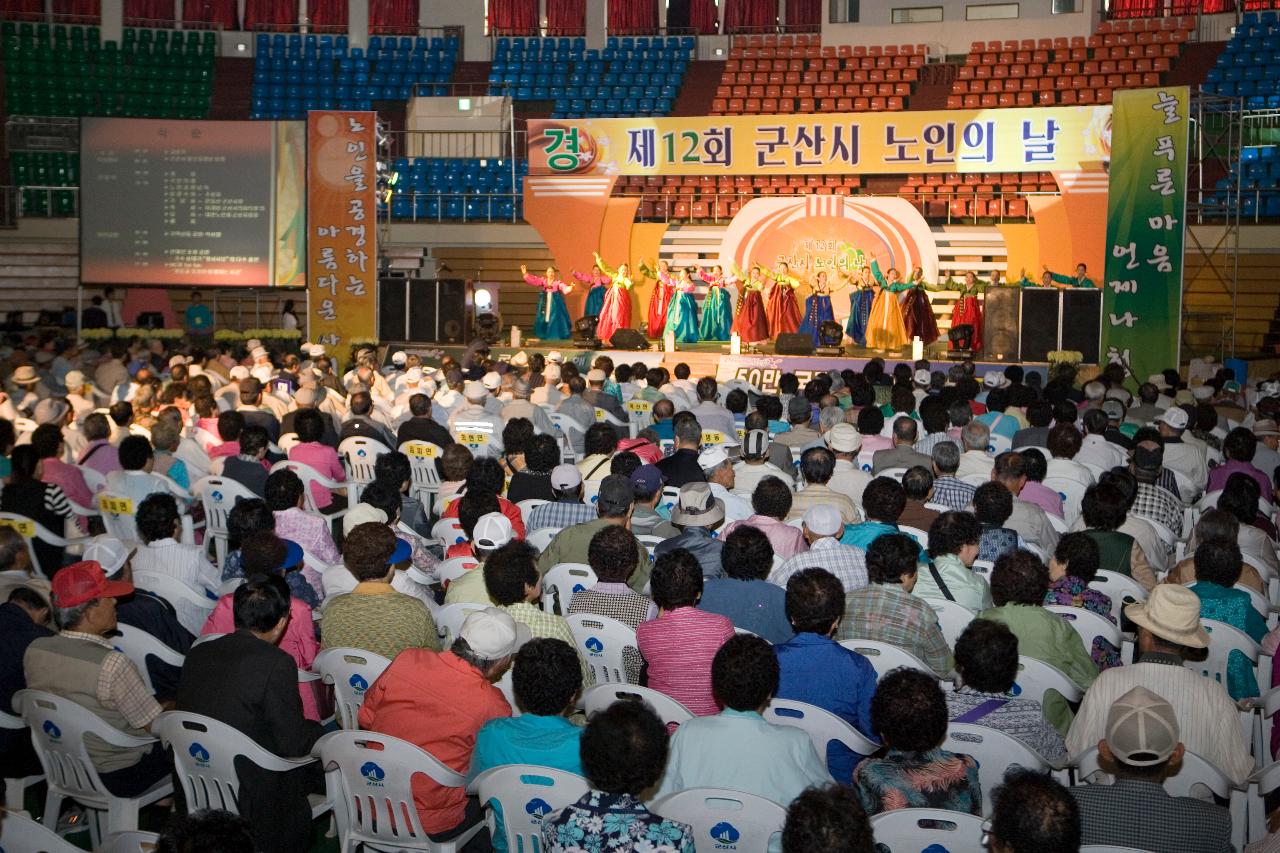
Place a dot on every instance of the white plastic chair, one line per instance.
(21, 834)
(1223, 640)
(913, 830)
(137, 645)
(1266, 779)
(601, 696)
(310, 475)
(422, 468)
(528, 505)
(1036, 678)
(1121, 589)
(1072, 493)
(454, 568)
(15, 787)
(820, 725)
(448, 532)
(725, 820)
(600, 642)
(526, 794)
(204, 754)
(896, 474)
(542, 537)
(367, 777)
(591, 491)
(921, 536)
(449, 620)
(640, 412)
(58, 730)
(119, 516)
(1088, 625)
(32, 529)
(93, 478)
(953, 618)
(130, 842)
(288, 441)
(566, 429)
(174, 591)
(351, 672)
(995, 753)
(360, 454)
(624, 430)
(886, 656)
(477, 436)
(560, 583)
(218, 496)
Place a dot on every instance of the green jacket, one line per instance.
(1046, 636)
(571, 544)
(1072, 280)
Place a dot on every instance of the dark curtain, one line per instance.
(804, 15)
(279, 13)
(566, 17)
(393, 16)
(328, 13)
(78, 11)
(751, 15)
(148, 10)
(632, 17)
(513, 17)
(221, 12)
(25, 9)
(702, 16)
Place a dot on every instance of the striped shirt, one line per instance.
(953, 493)
(679, 646)
(186, 564)
(559, 515)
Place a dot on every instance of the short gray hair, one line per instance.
(67, 618)
(829, 417)
(976, 435)
(521, 389)
(946, 457)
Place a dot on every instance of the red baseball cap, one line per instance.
(84, 581)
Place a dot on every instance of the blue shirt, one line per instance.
(1000, 424)
(862, 535)
(664, 429)
(821, 672)
(756, 605)
(530, 739)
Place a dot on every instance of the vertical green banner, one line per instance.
(1146, 206)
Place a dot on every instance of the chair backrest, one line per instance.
(448, 531)
(137, 645)
(119, 515)
(351, 672)
(566, 429)
(995, 753)
(953, 618)
(526, 794)
(1072, 493)
(640, 412)
(93, 478)
(449, 620)
(820, 725)
(1195, 771)
(371, 774)
(1121, 589)
(21, 834)
(886, 656)
(600, 642)
(361, 454)
(1035, 678)
(422, 467)
(218, 496)
(897, 474)
(527, 506)
(725, 820)
(130, 841)
(542, 537)
(454, 568)
(1223, 640)
(591, 491)
(476, 435)
(560, 583)
(913, 830)
(288, 442)
(308, 476)
(601, 696)
(1088, 625)
(32, 529)
(173, 591)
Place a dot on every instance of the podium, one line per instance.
(1027, 324)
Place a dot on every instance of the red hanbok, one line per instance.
(783, 310)
(968, 310)
(751, 323)
(663, 289)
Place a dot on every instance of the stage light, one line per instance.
(483, 300)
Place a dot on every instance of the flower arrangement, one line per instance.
(272, 334)
(227, 335)
(1063, 356)
(158, 334)
(96, 334)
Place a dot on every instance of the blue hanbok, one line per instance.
(682, 318)
(860, 302)
(817, 310)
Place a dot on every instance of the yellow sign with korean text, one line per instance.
(1032, 139)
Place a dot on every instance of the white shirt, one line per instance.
(1189, 461)
(1067, 469)
(186, 564)
(712, 416)
(849, 480)
(736, 508)
(1100, 453)
(525, 409)
(547, 395)
(746, 477)
(975, 463)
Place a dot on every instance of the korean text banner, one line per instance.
(1146, 207)
(1010, 140)
(341, 246)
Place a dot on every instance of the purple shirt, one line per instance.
(1042, 496)
(101, 456)
(1218, 477)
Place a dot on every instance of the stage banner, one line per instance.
(1036, 139)
(342, 252)
(764, 371)
(1142, 300)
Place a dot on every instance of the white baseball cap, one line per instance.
(551, 372)
(315, 350)
(520, 359)
(399, 357)
(995, 379)
(413, 374)
(492, 633)
(474, 391)
(238, 372)
(362, 514)
(555, 357)
(923, 378)
(823, 520)
(491, 380)
(1175, 417)
(712, 457)
(844, 438)
(565, 477)
(258, 352)
(595, 374)
(493, 530)
(108, 552)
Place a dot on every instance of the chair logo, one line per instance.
(199, 753)
(373, 774)
(594, 646)
(52, 730)
(725, 835)
(216, 495)
(577, 587)
(362, 453)
(538, 808)
(357, 682)
(1016, 690)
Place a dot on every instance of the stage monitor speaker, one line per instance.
(1081, 322)
(1039, 323)
(392, 308)
(793, 344)
(1000, 323)
(628, 339)
(438, 311)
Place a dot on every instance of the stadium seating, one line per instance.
(1259, 174)
(1249, 65)
(454, 188)
(294, 73)
(631, 76)
(1121, 55)
(58, 70)
(46, 169)
(796, 74)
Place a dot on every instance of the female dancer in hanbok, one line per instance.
(781, 306)
(885, 329)
(682, 314)
(917, 311)
(968, 311)
(860, 301)
(717, 307)
(615, 313)
(663, 288)
(751, 324)
(817, 308)
(552, 322)
(598, 282)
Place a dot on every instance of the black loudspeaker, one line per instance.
(1000, 323)
(793, 343)
(392, 308)
(438, 310)
(1081, 320)
(1039, 323)
(628, 339)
